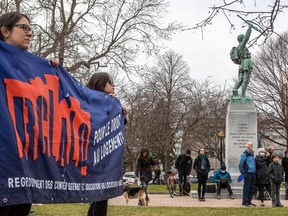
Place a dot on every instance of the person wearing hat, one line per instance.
(223, 179)
(183, 164)
(275, 171)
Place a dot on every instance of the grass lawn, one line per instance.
(81, 210)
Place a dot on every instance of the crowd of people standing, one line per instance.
(263, 173)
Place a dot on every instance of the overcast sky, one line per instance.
(209, 56)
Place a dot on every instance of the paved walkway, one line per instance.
(188, 201)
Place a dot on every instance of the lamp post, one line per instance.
(221, 136)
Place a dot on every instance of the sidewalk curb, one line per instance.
(188, 201)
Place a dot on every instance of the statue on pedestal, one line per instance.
(241, 55)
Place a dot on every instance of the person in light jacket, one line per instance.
(247, 168)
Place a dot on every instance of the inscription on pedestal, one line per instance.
(241, 127)
(242, 135)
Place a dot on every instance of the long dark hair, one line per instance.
(8, 20)
(98, 81)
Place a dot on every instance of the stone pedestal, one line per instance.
(241, 127)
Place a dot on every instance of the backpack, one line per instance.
(211, 188)
(234, 55)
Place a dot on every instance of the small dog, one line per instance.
(135, 193)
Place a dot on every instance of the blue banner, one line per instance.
(60, 142)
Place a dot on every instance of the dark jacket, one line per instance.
(184, 163)
(275, 172)
(262, 176)
(143, 166)
(197, 166)
(285, 167)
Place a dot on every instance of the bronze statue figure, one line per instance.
(241, 55)
(246, 65)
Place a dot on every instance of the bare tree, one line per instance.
(86, 35)
(140, 104)
(206, 117)
(6, 5)
(169, 111)
(269, 86)
(156, 108)
(264, 17)
(168, 79)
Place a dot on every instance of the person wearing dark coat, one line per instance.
(285, 168)
(271, 150)
(183, 164)
(143, 169)
(262, 180)
(202, 167)
(275, 171)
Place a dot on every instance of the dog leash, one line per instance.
(147, 171)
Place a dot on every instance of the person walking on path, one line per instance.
(285, 168)
(275, 171)
(202, 167)
(184, 166)
(223, 179)
(247, 168)
(262, 180)
(143, 170)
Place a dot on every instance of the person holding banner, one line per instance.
(15, 30)
(102, 81)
